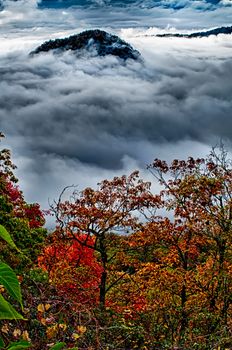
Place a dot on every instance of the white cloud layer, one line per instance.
(77, 120)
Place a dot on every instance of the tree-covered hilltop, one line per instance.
(91, 40)
(116, 273)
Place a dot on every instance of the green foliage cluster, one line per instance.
(9, 281)
(23, 221)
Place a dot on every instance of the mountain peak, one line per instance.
(95, 40)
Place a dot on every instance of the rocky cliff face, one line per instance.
(95, 41)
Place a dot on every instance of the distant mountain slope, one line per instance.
(216, 31)
(96, 40)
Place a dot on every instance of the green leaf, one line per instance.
(8, 312)
(58, 346)
(6, 236)
(9, 280)
(2, 344)
(19, 345)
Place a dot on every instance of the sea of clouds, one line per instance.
(72, 119)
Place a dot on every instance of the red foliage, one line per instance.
(34, 214)
(13, 192)
(74, 269)
(31, 212)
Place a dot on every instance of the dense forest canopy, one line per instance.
(115, 273)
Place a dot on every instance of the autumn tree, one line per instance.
(102, 215)
(190, 261)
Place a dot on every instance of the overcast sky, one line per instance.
(77, 120)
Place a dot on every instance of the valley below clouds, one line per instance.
(77, 119)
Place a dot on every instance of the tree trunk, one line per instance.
(103, 289)
(184, 317)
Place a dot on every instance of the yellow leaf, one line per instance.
(127, 311)
(52, 331)
(81, 329)
(17, 332)
(43, 321)
(75, 336)
(41, 308)
(5, 328)
(47, 307)
(25, 336)
(63, 326)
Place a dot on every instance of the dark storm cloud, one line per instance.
(181, 14)
(176, 4)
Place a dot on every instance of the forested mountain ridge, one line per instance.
(202, 34)
(96, 40)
